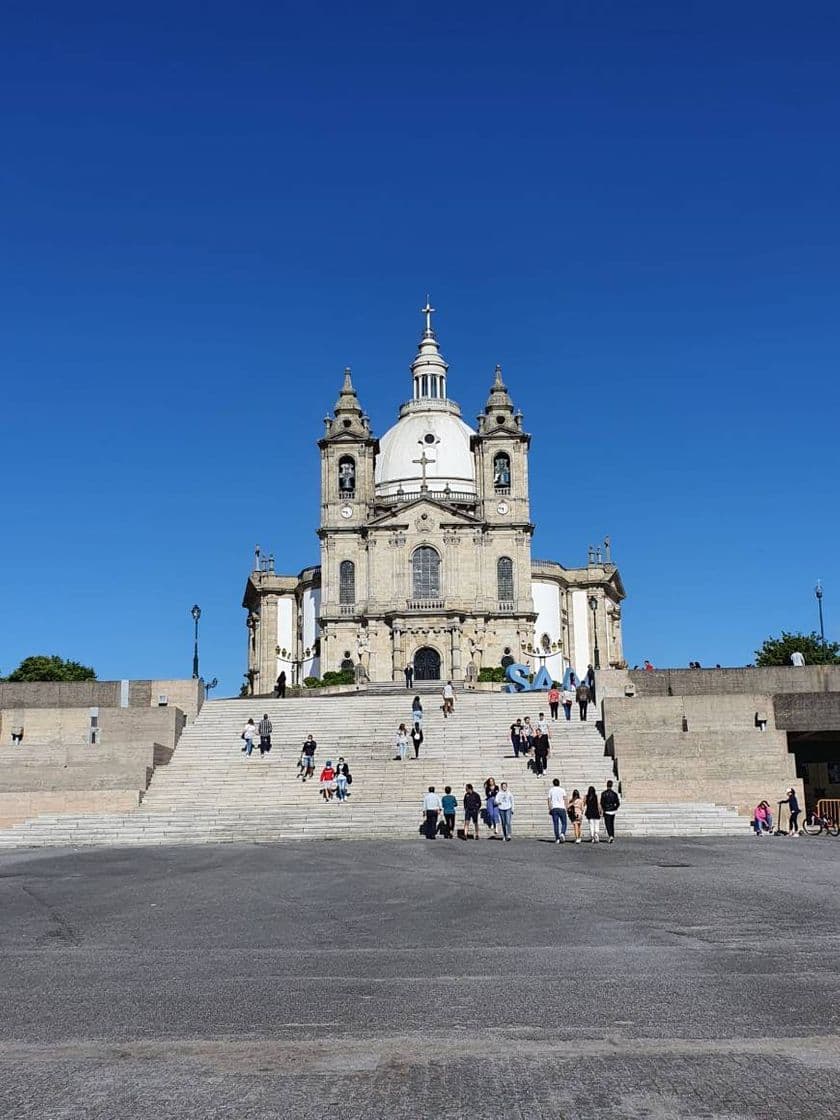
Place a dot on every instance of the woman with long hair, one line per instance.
(401, 742)
(592, 812)
(576, 813)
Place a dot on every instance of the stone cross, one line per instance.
(428, 310)
(422, 463)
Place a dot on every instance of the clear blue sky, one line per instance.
(209, 210)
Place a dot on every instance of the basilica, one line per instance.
(426, 553)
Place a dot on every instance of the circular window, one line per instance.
(424, 517)
(346, 653)
(500, 419)
(428, 438)
(347, 423)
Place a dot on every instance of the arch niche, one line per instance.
(427, 664)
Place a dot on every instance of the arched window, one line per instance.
(346, 475)
(504, 576)
(425, 573)
(501, 470)
(347, 582)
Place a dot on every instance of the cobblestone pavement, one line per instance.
(641, 981)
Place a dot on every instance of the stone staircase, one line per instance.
(211, 792)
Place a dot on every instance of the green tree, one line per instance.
(44, 668)
(777, 651)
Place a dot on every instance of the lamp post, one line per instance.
(593, 606)
(196, 615)
(818, 591)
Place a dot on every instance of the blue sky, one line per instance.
(209, 210)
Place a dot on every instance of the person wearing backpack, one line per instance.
(610, 804)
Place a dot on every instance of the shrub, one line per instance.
(311, 682)
(494, 674)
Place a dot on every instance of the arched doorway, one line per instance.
(427, 664)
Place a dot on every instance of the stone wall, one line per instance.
(722, 757)
(706, 682)
(188, 695)
(57, 769)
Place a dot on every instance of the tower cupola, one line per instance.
(428, 368)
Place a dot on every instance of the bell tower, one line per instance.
(501, 450)
(347, 460)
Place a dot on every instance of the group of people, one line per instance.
(440, 813)
(252, 731)
(335, 781)
(576, 809)
(762, 821)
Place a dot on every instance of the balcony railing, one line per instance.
(425, 604)
(346, 495)
(458, 497)
(347, 608)
(507, 606)
(501, 491)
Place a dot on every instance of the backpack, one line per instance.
(609, 801)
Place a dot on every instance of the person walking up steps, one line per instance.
(416, 738)
(592, 812)
(448, 700)
(568, 700)
(401, 743)
(472, 806)
(557, 810)
(417, 712)
(248, 733)
(610, 804)
(576, 813)
(449, 804)
(265, 730)
(504, 803)
(583, 700)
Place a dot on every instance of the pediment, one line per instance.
(403, 515)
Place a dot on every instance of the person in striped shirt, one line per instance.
(265, 734)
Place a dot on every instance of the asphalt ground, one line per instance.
(643, 980)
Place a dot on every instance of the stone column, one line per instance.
(457, 672)
(397, 647)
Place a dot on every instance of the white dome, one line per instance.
(433, 427)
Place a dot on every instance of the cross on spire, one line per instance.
(423, 462)
(428, 311)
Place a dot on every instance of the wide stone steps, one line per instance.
(211, 792)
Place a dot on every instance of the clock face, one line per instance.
(346, 511)
(502, 508)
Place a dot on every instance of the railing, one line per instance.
(457, 496)
(425, 604)
(507, 606)
(501, 491)
(346, 495)
(347, 608)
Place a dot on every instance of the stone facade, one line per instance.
(426, 553)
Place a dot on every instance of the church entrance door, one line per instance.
(427, 664)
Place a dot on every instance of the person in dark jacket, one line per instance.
(793, 811)
(416, 737)
(280, 687)
(582, 697)
(589, 680)
(264, 727)
(610, 804)
(472, 807)
(592, 812)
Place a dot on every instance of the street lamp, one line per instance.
(818, 591)
(593, 606)
(196, 615)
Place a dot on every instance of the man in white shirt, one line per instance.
(542, 724)
(557, 809)
(796, 659)
(448, 699)
(431, 807)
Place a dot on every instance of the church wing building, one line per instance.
(426, 553)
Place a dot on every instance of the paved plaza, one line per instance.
(642, 981)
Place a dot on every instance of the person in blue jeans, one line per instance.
(504, 803)
(449, 804)
(557, 809)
